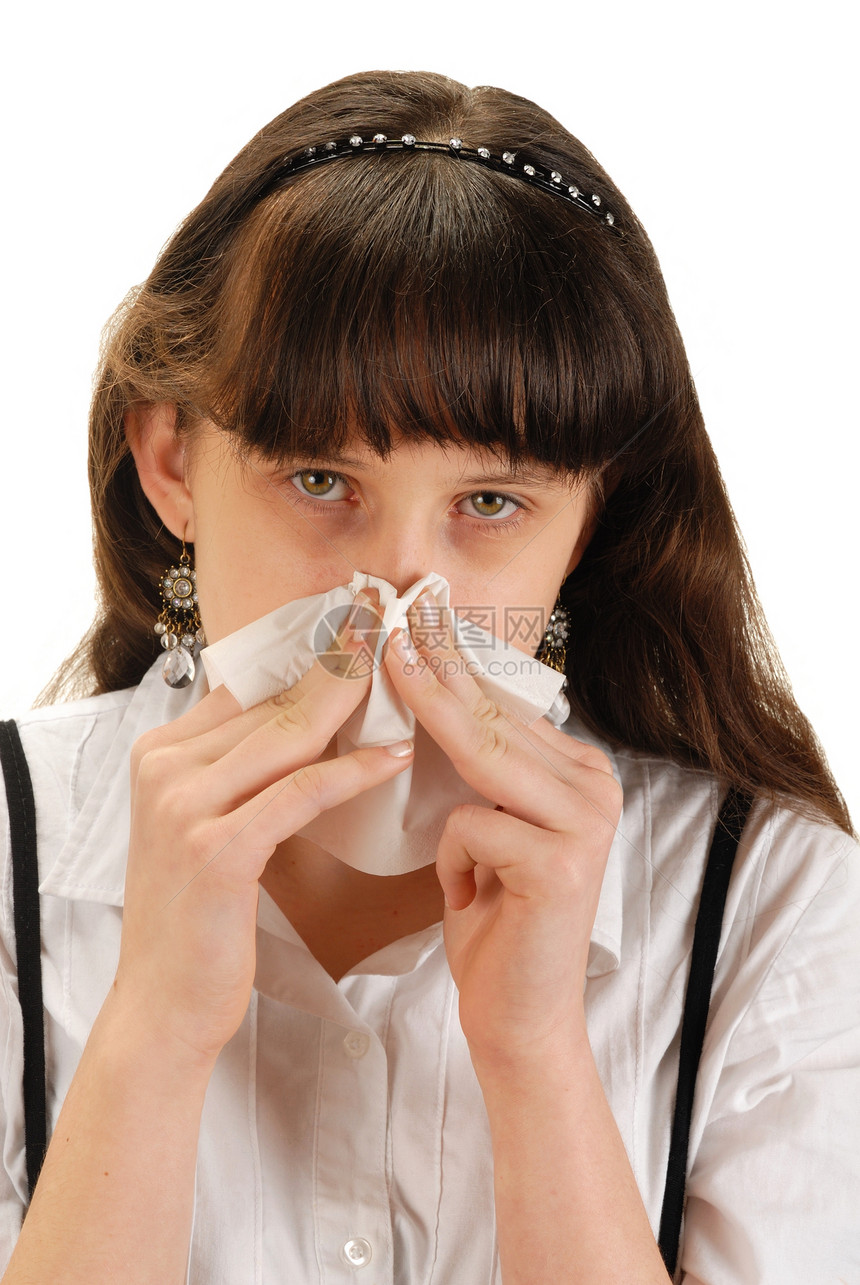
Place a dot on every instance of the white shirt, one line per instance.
(344, 1137)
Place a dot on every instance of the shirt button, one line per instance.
(358, 1251)
(356, 1044)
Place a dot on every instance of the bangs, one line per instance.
(416, 297)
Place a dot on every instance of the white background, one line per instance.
(729, 127)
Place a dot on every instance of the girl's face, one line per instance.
(265, 535)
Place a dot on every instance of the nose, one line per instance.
(398, 554)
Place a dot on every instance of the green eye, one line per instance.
(488, 504)
(317, 481)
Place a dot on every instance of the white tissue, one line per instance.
(394, 827)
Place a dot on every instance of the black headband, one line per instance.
(506, 163)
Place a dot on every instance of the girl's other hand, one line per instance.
(522, 883)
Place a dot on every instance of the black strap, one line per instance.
(25, 895)
(706, 940)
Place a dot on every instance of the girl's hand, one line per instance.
(213, 794)
(522, 884)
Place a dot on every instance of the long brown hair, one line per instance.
(457, 303)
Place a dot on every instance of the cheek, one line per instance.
(517, 613)
(526, 621)
(246, 569)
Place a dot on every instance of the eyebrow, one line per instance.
(520, 476)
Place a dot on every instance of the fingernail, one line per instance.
(361, 614)
(400, 749)
(426, 608)
(401, 640)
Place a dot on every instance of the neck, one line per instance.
(344, 915)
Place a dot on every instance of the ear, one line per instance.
(159, 455)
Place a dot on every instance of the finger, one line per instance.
(491, 753)
(431, 633)
(217, 723)
(220, 705)
(213, 709)
(242, 841)
(522, 856)
(544, 734)
(435, 666)
(242, 756)
(344, 665)
(299, 725)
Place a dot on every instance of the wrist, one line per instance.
(133, 1034)
(553, 1064)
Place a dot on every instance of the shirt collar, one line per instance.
(90, 866)
(91, 863)
(605, 949)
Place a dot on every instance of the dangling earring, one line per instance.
(179, 626)
(553, 647)
(553, 652)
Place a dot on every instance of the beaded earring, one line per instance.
(553, 652)
(553, 646)
(178, 625)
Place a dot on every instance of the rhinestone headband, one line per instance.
(504, 163)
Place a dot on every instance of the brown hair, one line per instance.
(456, 303)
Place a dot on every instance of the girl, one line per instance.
(415, 328)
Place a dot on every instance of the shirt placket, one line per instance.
(351, 1197)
